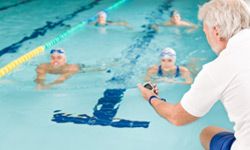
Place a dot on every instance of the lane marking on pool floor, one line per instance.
(15, 5)
(107, 106)
(50, 25)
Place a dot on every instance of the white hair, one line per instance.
(248, 2)
(230, 16)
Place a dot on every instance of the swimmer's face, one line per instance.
(101, 19)
(176, 18)
(57, 60)
(167, 62)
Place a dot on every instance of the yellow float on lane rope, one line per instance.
(26, 57)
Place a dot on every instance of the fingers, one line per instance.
(141, 88)
(156, 90)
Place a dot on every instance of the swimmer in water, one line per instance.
(175, 20)
(58, 65)
(168, 71)
(103, 22)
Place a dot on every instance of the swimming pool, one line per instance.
(113, 115)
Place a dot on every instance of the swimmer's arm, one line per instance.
(117, 23)
(59, 80)
(65, 76)
(186, 74)
(122, 23)
(184, 23)
(174, 113)
(188, 24)
(62, 78)
(191, 26)
(41, 74)
(93, 69)
(150, 72)
(164, 24)
(167, 24)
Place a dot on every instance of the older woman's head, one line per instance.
(222, 19)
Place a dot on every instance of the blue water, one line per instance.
(101, 110)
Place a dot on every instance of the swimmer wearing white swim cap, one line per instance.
(168, 71)
(102, 21)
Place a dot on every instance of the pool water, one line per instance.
(97, 110)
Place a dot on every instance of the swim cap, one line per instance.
(103, 14)
(58, 51)
(173, 13)
(168, 53)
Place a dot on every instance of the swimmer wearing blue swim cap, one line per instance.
(168, 71)
(58, 57)
(58, 66)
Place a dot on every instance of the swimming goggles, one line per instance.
(56, 51)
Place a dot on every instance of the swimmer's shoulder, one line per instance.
(187, 24)
(168, 23)
(73, 68)
(42, 68)
(184, 69)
